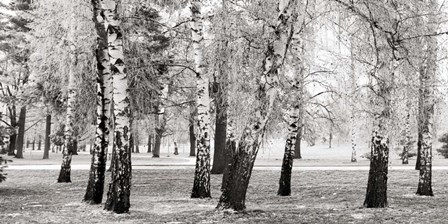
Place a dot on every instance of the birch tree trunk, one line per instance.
(427, 79)
(293, 127)
(352, 104)
(161, 120)
(407, 145)
(95, 186)
(376, 193)
(294, 110)
(149, 142)
(47, 137)
(118, 196)
(201, 184)
(234, 193)
(69, 141)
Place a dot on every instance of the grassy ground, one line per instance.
(162, 196)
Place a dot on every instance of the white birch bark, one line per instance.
(64, 175)
(118, 196)
(201, 185)
(352, 104)
(95, 187)
(427, 77)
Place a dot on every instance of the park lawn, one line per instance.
(162, 196)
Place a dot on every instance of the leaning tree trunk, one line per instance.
(47, 137)
(118, 196)
(230, 152)
(376, 193)
(235, 186)
(294, 111)
(69, 140)
(21, 135)
(95, 185)
(201, 184)
(284, 188)
(297, 145)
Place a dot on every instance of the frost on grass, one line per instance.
(317, 197)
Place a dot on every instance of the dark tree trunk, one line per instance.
(237, 179)
(297, 149)
(219, 162)
(75, 146)
(192, 140)
(230, 152)
(21, 135)
(13, 136)
(419, 149)
(39, 143)
(12, 144)
(95, 185)
(28, 144)
(33, 145)
(376, 195)
(405, 155)
(137, 143)
(176, 150)
(3, 151)
(47, 137)
(131, 142)
(149, 143)
(330, 139)
(156, 151)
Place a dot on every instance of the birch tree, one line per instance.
(294, 108)
(118, 196)
(69, 141)
(426, 106)
(201, 185)
(235, 185)
(95, 186)
(386, 61)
